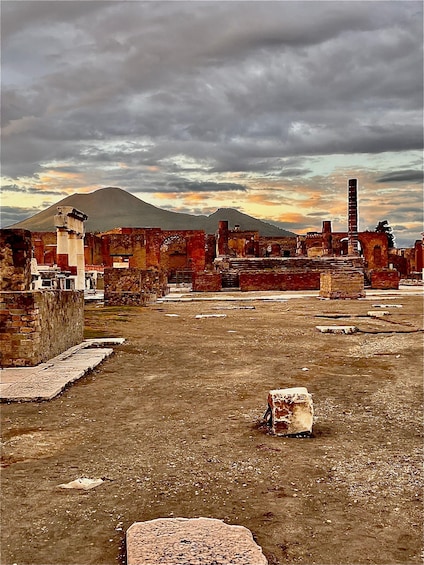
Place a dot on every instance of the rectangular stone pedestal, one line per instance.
(343, 284)
(291, 411)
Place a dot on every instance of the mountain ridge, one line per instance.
(112, 207)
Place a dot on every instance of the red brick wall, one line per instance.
(279, 280)
(385, 279)
(132, 287)
(207, 282)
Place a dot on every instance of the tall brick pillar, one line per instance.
(222, 238)
(327, 238)
(352, 229)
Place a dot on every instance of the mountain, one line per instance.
(111, 207)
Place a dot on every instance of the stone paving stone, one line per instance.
(191, 541)
(378, 313)
(47, 380)
(337, 329)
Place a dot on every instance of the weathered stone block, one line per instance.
(291, 411)
(194, 541)
(342, 284)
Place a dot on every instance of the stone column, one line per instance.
(352, 235)
(79, 257)
(70, 241)
(62, 248)
(222, 239)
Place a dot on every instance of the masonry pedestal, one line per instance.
(291, 411)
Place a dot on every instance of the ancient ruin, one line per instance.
(35, 325)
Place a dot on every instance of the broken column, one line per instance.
(69, 224)
(290, 411)
(15, 259)
(352, 234)
(222, 239)
(327, 238)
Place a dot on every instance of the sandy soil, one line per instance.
(172, 422)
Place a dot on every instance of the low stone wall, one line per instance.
(342, 284)
(385, 279)
(38, 325)
(207, 282)
(283, 280)
(133, 287)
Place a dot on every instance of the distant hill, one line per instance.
(111, 207)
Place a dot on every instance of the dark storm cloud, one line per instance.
(234, 86)
(12, 214)
(185, 185)
(402, 176)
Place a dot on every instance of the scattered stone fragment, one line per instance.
(191, 541)
(378, 314)
(82, 484)
(172, 315)
(387, 305)
(199, 316)
(290, 411)
(337, 329)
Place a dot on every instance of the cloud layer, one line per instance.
(265, 106)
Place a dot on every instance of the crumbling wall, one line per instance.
(38, 325)
(207, 282)
(279, 280)
(15, 259)
(133, 287)
(385, 278)
(342, 284)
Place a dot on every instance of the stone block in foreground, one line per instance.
(291, 411)
(191, 541)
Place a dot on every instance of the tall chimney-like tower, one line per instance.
(352, 230)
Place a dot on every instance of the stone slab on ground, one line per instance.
(47, 380)
(337, 329)
(378, 313)
(191, 541)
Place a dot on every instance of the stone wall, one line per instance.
(207, 282)
(342, 284)
(385, 279)
(15, 259)
(133, 287)
(283, 280)
(38, 325)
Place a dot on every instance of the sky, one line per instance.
(266, 107)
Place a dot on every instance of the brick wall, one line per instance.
(274, 280)
(15, 259)
(38, 325)
(207, 282)
(342, 284)
(133, 287)
(385, 279)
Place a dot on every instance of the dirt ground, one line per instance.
(172, 421)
